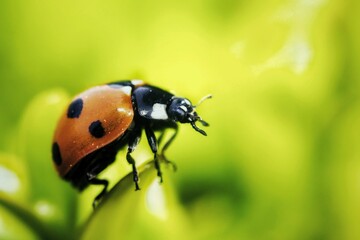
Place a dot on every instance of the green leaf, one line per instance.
(51, 198)
(11, 227)
(151, 213)
(13, 178)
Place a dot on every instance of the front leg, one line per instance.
(92, 179)
(173, 126)
(134, 140)
(153, 145)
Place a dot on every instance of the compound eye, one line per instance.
(179, 110)
(183, 108)
(180, 114)
(186, 106)
(187, 103)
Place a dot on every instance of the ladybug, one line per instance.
(104, 119)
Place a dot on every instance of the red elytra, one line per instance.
(111, 106)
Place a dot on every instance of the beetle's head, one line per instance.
(181, 110)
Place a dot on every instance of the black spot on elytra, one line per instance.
(75, 108)
(56, 155)
(96, 129)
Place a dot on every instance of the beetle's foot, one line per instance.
(157, 167)
(168, 162)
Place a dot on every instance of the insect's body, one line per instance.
(104, 119)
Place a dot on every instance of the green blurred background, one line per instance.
(282, 156)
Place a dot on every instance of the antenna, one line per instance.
(198, 118)
(202, 100)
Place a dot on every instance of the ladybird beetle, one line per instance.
(102, 120)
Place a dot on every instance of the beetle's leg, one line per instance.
(153, 145)
(173, 126)
(134, 140)
(160, 138)
(134, 170)
(93, 180)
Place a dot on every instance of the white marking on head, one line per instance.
(126, 90)
(137, 82)
(187, 101)
(159, 111)
(143, 112)
(184, 108)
